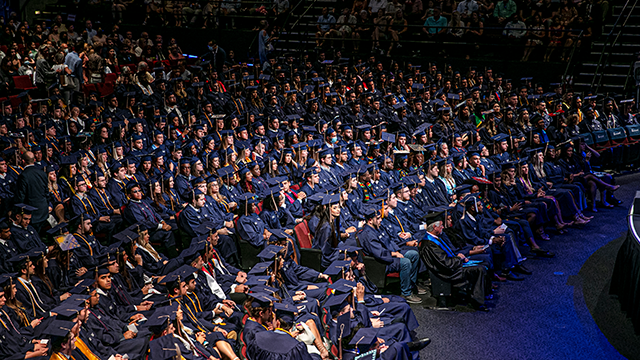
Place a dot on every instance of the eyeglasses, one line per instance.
(136, 191)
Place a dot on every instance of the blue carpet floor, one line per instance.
(548, 315)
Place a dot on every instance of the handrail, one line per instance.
(629, 75)
(604, 46)
(303, 14)
(573, 51)
(616, 40)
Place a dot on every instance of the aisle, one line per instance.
(543, 317)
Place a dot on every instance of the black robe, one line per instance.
(449, 268)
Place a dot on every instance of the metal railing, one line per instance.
(492, 37)
(597, 75)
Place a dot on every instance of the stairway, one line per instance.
(299, 33)
(615, 51)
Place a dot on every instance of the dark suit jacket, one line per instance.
(32, 190)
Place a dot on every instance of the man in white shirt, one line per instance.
(465, 8)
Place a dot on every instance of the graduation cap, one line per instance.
(365, 338)
(500, 137)
(270, 252)
(58, 228)
(193, 252)
(343, 286)
(126, 236)
(263, 289)
(67, 242)
(162, 317)
(336, 302)
(348, 248)
(261, 300)
(257, 280)
(22, 209)
(336, 267)
(68, 310)
(59, 328)
(5, 279)
(260, 268)
(82, 286)
(285, 311)
(388, 137)
(164, 348)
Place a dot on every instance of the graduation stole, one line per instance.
(443, 246)
(84, 205)
(86, 242)
(192, 316)
(84, 349)
(32, 296)
(366, 190)
(57, 356)
(105, 199)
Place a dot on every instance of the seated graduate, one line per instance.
(64, 268)
(115, 286)
(14, 345)
(139, 210)
(90, 249)
(504, 252)
(470, 275)
(387, 308)
(280, 344)
(250, 226)
(8, 247)
(376, 243)
(112, 302)
(348, 313)
(75, 310)
(225, 280)
(292, 278)
(81, 204)
(287, 322)
(194, 321)
(26, 292)
(111, 331)
(24, 236)
(222, 308)
(140, 249)
(170, 333)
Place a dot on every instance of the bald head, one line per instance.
(28, 158)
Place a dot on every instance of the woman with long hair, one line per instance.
(400, 166)
(83, 170)
(578, 169)
(444, 127)
(63, 269)
(445, 174)
(530, 191)
(565, 194)
(153, 262)
(327, 237)
(41, 281)
(18, 315)
(509, 189)
(172, 201)
(66, 173)
(56, 197)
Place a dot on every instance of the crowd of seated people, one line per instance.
(385, 24)
(128, 216)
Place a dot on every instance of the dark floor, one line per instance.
(549, 315)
